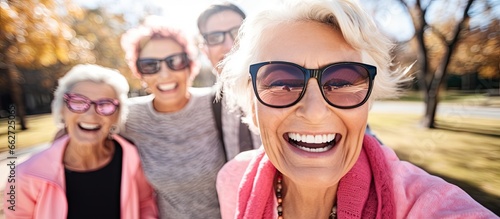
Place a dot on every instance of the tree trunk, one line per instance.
(424, 77)
(13, 76)
(433, 91)
(430, 109)
(432, 99)
(422, 56)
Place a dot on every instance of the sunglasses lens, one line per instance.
(234, 32)
(177, 62)
(106, 107)
(78, 104)
(148, 66)
(279, 84)
(214, 38)
(345, 85)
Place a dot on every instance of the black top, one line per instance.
(95, 194)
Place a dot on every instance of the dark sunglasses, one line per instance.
(175, 62)
(344, 85)
(218, 37)
(78, 103)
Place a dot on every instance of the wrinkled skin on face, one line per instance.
(90, 128)
(169, 87)
(289, 134)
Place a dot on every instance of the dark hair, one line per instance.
(216, 8)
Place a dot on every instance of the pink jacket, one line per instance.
(40, 186)
(416, 193)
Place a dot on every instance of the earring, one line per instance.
(112, 130)
(145, 87)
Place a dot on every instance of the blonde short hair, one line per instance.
(134, 40)
(94, 73)
(357, 27)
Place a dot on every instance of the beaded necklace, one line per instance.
(279, 198)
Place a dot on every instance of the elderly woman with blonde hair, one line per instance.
(90, 172)
(306, 73)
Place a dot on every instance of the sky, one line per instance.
(182, 12)
(393, 20)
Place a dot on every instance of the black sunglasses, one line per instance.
(175, 62)
(218, 37)
(344, 85)
(78, 103)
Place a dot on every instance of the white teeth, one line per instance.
(89, 126)
(167, 87)
(315, 150)
(318, 139)
(312, 139)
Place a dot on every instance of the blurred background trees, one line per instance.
(33, 35)
(459, 37)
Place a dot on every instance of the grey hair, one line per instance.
(357, 27)
(94, 73)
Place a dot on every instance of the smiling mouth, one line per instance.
(167, 87)
(89, 127)
(312, 143)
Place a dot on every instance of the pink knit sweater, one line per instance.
(378, 186)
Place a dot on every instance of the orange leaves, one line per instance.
(34, 33)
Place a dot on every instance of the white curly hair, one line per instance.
(94, 73)
(357, 27)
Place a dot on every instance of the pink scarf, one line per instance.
(364, 192)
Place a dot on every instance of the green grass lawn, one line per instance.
(41, 129)
(463, 151)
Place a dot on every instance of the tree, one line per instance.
(430, 82)
(479, 52)
(100, 31)
(32, 35)
(440, 27)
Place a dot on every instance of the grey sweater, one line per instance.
(181, 154)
